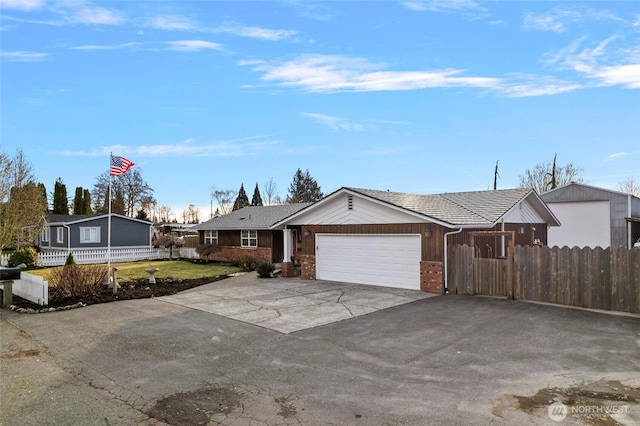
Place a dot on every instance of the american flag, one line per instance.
(120, 165)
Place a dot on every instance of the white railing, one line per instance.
(83, 257)
(32, 288)
(4, 259)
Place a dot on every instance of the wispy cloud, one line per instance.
(63, 13)
(106, 46)
(616, 155)
(553, 20)
(441, 5)
(619, 68)
(176, 45)
(619, 75)
(558, 19)
(183, 23)
(172, 23)
(313, 10)
(334, 123)
(94, 15)
(538, 86)
(24, 56)
(254, 32)
(333, 73)
(241, 147)
(22, 4)
(193, 45)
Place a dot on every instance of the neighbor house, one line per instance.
(248, 233)
(593, 217)
(400, 240)
(91, 232)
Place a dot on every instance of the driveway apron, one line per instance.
(287, 305)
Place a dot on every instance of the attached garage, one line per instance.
(394, 239)
(382, 260)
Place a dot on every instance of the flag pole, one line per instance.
(115, 288)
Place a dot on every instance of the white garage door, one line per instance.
(383, 260)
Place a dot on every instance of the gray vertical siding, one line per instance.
(618, 204)
(125, 232)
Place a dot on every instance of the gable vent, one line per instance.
(350, 202)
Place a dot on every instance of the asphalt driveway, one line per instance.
(291, 304)
(446, 360)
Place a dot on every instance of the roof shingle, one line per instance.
(458, 208)
(252, 217)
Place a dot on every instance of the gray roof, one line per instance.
(457, 208)
(252, 217)
(58, 219)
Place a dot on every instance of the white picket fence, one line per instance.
(84, 257)
(32, 288)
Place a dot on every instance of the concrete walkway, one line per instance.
(290, 304)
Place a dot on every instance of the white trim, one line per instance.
(94, 234)
(344, 190)
(59, 235)
(249, 238)
(208, 236)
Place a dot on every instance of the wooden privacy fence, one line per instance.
(584, 277)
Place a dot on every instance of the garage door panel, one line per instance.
(386, 260)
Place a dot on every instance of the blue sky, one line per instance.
(414, 96)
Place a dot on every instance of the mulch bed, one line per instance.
(135, 289)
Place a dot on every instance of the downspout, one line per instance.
(629, 241)
(446, 257)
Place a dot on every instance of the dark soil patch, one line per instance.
(195, 407)
(135, 289)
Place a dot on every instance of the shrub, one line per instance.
(265, 269)
(74, 280)
(70, 260)
(206, 249)
(247, 262)
(25, 255)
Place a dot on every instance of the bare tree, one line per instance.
(191, 214)
(224, 198)
(629, 186)
(135, 190)
(165, 214)
(22, 204)
(546, 176)
(270, 191)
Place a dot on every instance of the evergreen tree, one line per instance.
(304, 189)
(118, 205)
(142, 215)
(257, 199)
(43, 195)
(86, 202)
(242, 200)
(60, 201)
(77, 201)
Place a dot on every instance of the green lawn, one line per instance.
(166, 268)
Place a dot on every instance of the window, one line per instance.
(249, 238)
(60, 235)
(46, 234)
(89, 235)
(211, 237)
